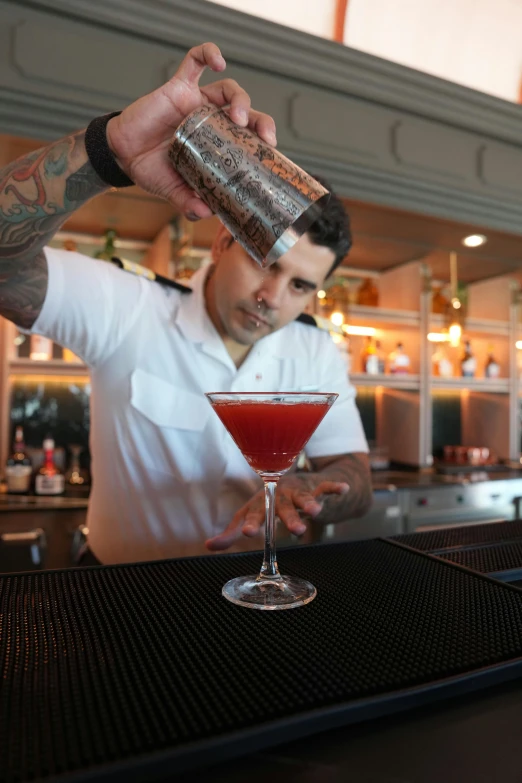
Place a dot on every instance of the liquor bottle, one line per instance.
(398, 360)
(18, 469)
(380, 357)
(468, 362)
(368, 293)
(49, 479)
(370, 360)
(108, 251)
(76, 476)
(439, 303)
(492, 369)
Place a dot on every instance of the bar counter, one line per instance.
(406, 667)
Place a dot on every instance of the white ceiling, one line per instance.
(476, 43)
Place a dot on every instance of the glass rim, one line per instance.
(269, 395)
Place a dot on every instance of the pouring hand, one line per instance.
(140, 136)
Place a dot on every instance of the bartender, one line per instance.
(168, 480)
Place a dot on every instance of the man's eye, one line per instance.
(300, 287)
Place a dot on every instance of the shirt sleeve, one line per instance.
(90, 305)
(341, 430)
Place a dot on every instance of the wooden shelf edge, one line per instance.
(52, 367)
(409, 382)
(493, 386)
(474, 325)
(381, 315)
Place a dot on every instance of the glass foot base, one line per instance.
(287, 592)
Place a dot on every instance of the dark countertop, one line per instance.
(411, 479)
(40, 503)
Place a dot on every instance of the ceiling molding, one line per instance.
(273, 48)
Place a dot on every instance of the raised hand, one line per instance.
(140, 136)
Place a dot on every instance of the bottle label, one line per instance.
(468, 367)
(50, 485)
(18, 478)
(493, 370)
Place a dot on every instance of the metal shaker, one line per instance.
(265, 200)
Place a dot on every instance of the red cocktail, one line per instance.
(270, 429)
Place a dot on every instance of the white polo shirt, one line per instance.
(166, 473)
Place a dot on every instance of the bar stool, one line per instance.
(79, 543)
(22, 550)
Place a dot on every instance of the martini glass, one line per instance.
(270, 429)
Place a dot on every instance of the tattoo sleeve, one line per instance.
(38, 192)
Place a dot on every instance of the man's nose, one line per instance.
(271, 292)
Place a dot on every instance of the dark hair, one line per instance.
(332, 229)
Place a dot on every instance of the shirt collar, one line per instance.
(192, 318)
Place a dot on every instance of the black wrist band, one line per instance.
(101, 158)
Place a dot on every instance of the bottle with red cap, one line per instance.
(49, 479)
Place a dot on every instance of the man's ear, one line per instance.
(222, 242)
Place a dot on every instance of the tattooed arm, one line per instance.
(40, 191)
(340, 488)
(37, 194)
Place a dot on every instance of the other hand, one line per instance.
(294, 493)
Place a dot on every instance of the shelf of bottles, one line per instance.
(377, 322)
(42, 471)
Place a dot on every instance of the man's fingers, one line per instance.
(228, 536)
(331, 488)
(247, 521)
(205, 55)
(305, 500)
(229, 91)
(263, 125)
(289, 515)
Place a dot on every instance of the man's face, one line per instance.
(251, 302)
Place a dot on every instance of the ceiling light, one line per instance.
(455, 333)
(518, 345)
(337, 319)
(361, 331)
(456, 303)
(438, 337)
(474, 240)
(321, 294)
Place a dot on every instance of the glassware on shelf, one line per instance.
(442, 366)
(270, 429)
(41, 348)
(19, 469)
(368, 293)
(468, 362)
(398, 360)
(75, 475)
(492, 368)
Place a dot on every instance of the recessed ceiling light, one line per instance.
(474, 240)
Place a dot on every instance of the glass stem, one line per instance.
(269, 569)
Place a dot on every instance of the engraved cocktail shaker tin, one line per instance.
(265, 200)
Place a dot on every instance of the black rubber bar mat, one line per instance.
(139, 672)
(503, 561)
(466, 535)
